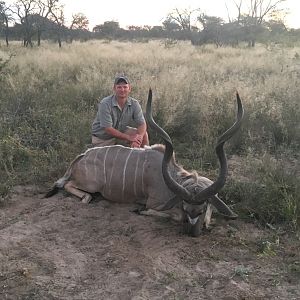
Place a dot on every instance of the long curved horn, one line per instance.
(176, 188)
(219, 183)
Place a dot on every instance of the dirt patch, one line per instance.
(59, 248)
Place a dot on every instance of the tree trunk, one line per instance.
(30, 42)
(6, 38)
(39, 37)
(27, 41)
(6, 32)
(59, 37)
(59, 40)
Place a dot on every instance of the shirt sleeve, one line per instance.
(138, 114)
(104, 115)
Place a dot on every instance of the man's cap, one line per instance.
(120, 79)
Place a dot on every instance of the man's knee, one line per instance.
(97, 142)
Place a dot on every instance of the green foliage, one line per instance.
(266, 248)
(275, 122)
(13, 155)
(242, 272)
(272, 195)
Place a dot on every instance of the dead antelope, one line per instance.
(150, 176)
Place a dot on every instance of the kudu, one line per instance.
(150, 176)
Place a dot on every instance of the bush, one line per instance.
(272, 196)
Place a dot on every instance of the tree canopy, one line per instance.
(253, 20)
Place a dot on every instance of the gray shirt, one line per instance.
(109, 114)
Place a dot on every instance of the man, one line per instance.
(120, 119)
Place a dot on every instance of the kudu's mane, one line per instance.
(181, 175)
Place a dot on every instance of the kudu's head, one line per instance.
(194, 197)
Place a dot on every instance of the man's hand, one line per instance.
(135, 145)
(135, 140)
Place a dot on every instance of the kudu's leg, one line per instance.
(174, 214)
(85, 197)
(151, 212)
(207, 218)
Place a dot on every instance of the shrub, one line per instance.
(272, 194)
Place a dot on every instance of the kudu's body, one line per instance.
(120, 174)
(149, 176)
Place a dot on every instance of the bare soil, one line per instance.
(59, 248)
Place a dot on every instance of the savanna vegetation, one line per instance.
(257, 21)
(48, 101)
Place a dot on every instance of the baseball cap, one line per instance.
(120, 79)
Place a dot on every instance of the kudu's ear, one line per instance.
(169, 204)
(222, 207)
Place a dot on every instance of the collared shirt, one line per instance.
(110, 114)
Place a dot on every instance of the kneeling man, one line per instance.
(120, 119)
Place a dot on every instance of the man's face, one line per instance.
(122, 90)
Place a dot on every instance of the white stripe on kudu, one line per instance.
(95, 167)
(124, 173)
(112, 170)
(104, 165)
(143, 171)
(87, 161)
(135, 175)
(85, 167)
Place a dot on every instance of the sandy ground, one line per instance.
(59, 248)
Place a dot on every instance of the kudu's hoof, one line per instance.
(86, 199)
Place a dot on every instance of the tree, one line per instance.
(232, 33)
(79, 24)
(43, 8)
(108, 28)
(57, 16)
(170, 25)
(5, 18)
(79, 21)
(33, 17)
(157, 31)
(182, 18)
(211, 29)
(24, 9)
(256, 12)
(276, 27)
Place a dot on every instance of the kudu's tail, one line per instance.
(52, 192)
(60, 183)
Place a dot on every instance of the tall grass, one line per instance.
(48, 101)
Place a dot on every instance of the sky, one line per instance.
(152, 12)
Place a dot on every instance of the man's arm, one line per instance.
(134, 137)
(139, 119)
(120, 135)
(141, 130)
